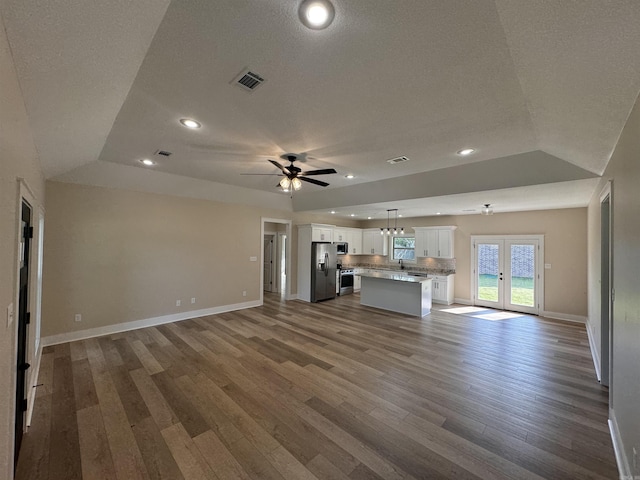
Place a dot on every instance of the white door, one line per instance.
(506, 273)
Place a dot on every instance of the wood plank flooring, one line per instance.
(292, 390)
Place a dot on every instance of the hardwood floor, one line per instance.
(329, 391)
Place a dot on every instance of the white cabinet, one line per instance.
(354, 239)
(340, 235)
(436, 242)
(442, 289)
(357, 279)
(373, 243)
(321, 233)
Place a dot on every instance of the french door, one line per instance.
(506, 273)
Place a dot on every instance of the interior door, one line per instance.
(506, 276)
(268, 264)
(23, 321)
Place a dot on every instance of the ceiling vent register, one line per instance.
(164, 153)
(248, 80)
(393, 161)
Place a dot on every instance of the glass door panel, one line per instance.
(489, 274)
(521, 279)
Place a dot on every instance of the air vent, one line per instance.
(393, 161)
(248, 80)
(164, 153)
(469, 210)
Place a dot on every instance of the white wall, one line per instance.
(624, 170)
(18, 158)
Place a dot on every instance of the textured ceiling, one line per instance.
(110, 80)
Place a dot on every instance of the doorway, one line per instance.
(606, 291)
(24, 258)
(506, 273)
(275, 257)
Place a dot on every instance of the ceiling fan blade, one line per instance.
(279, 166)
(325, 171)
(314, 181)
(277, 174)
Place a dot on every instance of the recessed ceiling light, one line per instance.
(438, 213)
(399, 215)
(316, 14)
(190, 123)
(352, 215)
(333, 211)
(147, 162)
(465, 151)
(369, 218)
(349, 176)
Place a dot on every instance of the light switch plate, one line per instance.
(253, 259)
(10, 314)
(547, 266)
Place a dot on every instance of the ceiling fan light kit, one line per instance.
(487, 209)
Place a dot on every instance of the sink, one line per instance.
(425, 275)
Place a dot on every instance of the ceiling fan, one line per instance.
(294, 176)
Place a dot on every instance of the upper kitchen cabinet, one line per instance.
(354, 239)
(435, 242)
(340, 235)
(321, 233)
(373, 243)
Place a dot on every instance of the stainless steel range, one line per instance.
(346, 281)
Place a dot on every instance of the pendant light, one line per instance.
(388, 230)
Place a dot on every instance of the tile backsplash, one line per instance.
(436, 266)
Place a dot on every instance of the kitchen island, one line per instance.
(398, 292)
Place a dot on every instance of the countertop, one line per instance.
(400, 277)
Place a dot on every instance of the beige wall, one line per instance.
(624, 171)
(18, 158)
(116, 256)
(565, 237)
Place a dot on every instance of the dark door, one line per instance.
(23, 321)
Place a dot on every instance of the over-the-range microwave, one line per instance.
(343, 248)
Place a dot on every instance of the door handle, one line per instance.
(24, 367)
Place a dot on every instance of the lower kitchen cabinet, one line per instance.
(442, 289)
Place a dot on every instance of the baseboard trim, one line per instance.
(564, 316)
(147, 322)
(293, 296)
(594, 351)
(31, 394)
(462, 301)
(618, 448)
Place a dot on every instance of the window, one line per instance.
(404, 248)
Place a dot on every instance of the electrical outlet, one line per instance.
(78, 317)
(244, 293)
(178, 303)
(193, 300)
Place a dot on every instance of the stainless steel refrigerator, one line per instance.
(324, 262)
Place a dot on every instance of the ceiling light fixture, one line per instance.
(190, 123)
(350, 176)
(369, 218)
(316, 14)
(438, 213)
(388, 230)
(332, 212)
(147, 162)
(352, 215)
(285, 183)
(465, 151)
(487, 209)
(296, 183)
